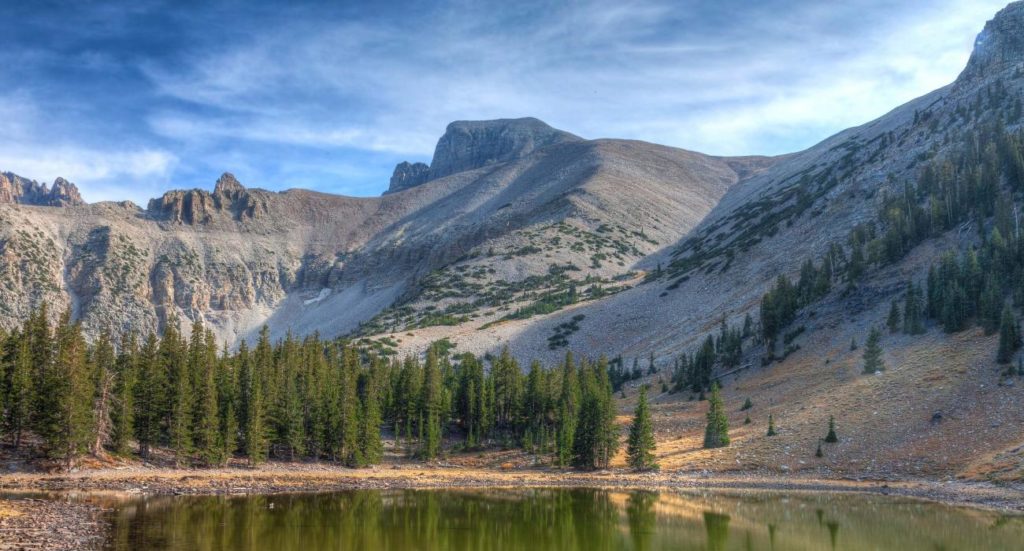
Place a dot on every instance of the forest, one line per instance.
(295, 399)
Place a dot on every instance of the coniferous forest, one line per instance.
(290, 400)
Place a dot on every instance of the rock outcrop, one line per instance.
(408, 175)
(469, 145)
(230, 200)
(15, 189)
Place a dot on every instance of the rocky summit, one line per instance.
(15, 189)
(470, 145)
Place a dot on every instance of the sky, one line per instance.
(130, 99)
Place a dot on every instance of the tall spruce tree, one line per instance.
(430, 406)
(568, 410)
(640, 447)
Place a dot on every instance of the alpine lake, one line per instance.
(554, 519)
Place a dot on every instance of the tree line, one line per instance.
(294, 399)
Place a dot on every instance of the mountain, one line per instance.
(519, 202)
(521, 235)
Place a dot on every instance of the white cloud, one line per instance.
(101, 175)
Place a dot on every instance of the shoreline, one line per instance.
(293, 478)
(75, 511)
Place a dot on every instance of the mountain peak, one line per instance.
(227, 184)
(468, 145)
(1000, 44)
(15, 189)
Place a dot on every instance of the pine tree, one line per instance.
(126, 376)
(288, 409)
(831, 437)
(207, 430)
(819, 452)
(19, 399)
(747, 404)
(641, 437)
(913, 322)
(716, 434)
(894, 317)
(1009, 336)
(67, 429)
(149, 397)
(104, 380)
(771, 425)
(873, 362)
(370, 420)
(430, 406)
(174, 361)
(257, 368)
(568, 411)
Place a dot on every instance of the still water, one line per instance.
(546, 519)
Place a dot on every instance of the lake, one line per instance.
(550, 519)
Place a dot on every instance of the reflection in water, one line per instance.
(833, 532)
(718, 530)
(541, 520)
(642, 520)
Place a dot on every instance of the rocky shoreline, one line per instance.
(54, 522)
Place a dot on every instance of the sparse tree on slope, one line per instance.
(716, 434)
(1009, 336)
(873, 362)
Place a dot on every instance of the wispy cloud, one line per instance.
(332, 96)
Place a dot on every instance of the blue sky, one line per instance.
(130, 99)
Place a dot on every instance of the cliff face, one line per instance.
(1000, 45)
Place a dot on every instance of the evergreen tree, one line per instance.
(123, 415)
(256, 367)
(207, 430)
(370, 420)
(173, 359)
(640, 447)
(771, 425)
(1009, 336)
(831, 437)
(894, 317)
(873, 362)
(430, 406)
(913, 315)
(568, 411)
(19, 396)
(716, 434)
(149, 397)
(104, 380)
(67, 429)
